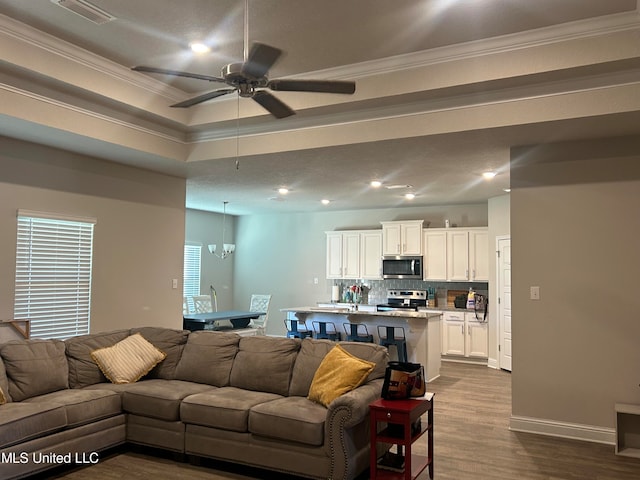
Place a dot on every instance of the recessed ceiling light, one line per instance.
(506, 190)
(325, 201)
(197, 47)
(376, 183)
(283, 190)
(409, 196)
(489, 175)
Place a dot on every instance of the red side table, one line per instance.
(401, 415)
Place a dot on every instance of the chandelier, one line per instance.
(227, 248)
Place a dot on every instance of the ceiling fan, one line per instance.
(250, 79)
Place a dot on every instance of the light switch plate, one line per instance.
(534, 293)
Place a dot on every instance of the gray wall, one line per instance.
(204, 228)
(138, 240)
(575, 229)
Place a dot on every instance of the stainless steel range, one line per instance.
(403, 300)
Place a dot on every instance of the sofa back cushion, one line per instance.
(35, 367)
(169, 341)
(264, 364)
(83, 370)
(208, 357)
(313, 351)
(4, 384)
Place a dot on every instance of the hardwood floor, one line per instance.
(471, 436)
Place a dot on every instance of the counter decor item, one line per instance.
(353, 294)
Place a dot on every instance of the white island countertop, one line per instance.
(367, 312)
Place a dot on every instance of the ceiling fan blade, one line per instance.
(203, 98)
(277, 108)
(177, 73)
(260, 59)
(320, 86)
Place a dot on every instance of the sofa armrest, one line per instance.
(347, 430)
(356, 402)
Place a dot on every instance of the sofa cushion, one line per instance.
(83, 406)
(83, 371)
(4, 384)
(35, 367)
(208, 357)
(264, 364)
(22, 421)
(339, 373)
(128, 360)
(313, 351)
(158, 398)
(295, 419)
(169, 341)
(226, 408)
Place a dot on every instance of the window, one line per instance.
(53, 274)
(191, 275)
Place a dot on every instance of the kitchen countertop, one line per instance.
(446, 308)
(426, 314)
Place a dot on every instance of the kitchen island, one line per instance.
(422, 328)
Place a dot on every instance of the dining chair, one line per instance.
(202, 304)
(185, 305)
(260, 303)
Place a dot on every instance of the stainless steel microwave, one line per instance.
(402, 267)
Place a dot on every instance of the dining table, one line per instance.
(211, 320)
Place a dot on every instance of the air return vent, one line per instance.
(85, 10)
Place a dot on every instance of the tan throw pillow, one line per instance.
(339, 373)
(128, 360)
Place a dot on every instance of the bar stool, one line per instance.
(296, 329)
(388, 337)
(322, 332)
(357, 332)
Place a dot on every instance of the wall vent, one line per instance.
(85, 10)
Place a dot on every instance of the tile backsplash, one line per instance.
(375, 291)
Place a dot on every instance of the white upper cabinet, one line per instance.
(458, 255)
(371, 254)
(354, 254)
(435, 255)
(343, 254)
(479, 255)
(402, 238)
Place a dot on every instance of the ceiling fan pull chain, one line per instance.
(238, 132)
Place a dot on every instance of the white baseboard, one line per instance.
(493, 363)
(575, 431)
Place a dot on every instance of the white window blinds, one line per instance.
(53, 274)
(191, 274)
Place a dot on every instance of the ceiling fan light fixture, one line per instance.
(199, 47)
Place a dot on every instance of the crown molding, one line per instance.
(85, 58)
(589, 28)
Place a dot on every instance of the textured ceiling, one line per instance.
(321, 38)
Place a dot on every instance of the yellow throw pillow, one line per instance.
(128, 360)
(339, 373)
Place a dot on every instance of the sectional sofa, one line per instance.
(289, 405)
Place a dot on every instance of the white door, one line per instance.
(504, 302)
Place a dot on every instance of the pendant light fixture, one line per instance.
(227, 248)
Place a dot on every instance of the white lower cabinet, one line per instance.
(464, 336)
(477, 338)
